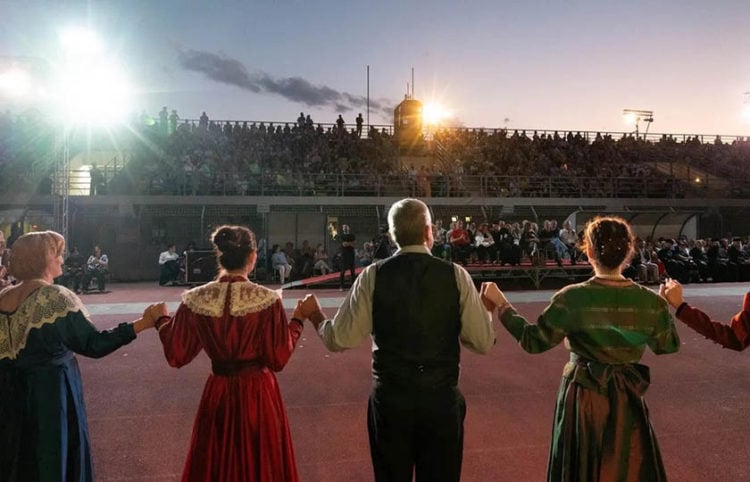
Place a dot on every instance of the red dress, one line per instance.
(241, 432)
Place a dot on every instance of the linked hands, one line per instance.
(150, 315)
(309, 308)
(671, 291)
(491, 295)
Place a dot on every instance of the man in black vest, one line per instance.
(417, 308)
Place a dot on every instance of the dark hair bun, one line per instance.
(225, 239)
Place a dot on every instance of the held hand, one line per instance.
(493, 295)
(299, 312)
(309, 306)
(671, 291)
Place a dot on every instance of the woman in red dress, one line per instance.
(241, 432)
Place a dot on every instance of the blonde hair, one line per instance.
(31, 253)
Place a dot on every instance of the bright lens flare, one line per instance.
(746, 112)
(433, 113)
(15, 83)
(629, 118)
(80, 42)
(94, 92)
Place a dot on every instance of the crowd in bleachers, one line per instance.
(167, 155)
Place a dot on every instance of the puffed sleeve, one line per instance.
(179, 338)
(281, 336)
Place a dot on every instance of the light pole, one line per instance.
(635, 116)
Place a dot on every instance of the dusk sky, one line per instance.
(573, 64)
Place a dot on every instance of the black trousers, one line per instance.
(169, 271)
(416, 431)
(347, 263)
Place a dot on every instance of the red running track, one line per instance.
(141, 411)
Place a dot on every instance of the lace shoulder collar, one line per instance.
(246, 297)
(44, 306)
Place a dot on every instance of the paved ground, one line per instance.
(141, 411)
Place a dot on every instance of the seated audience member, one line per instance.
(280, 264)
(169, 266)
(97, 267)
(569, 238)
(74, 266)
(459, 241)
(321, 260)
(648, 271)
(485, 244)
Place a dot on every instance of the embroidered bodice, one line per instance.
(244, 297)
(43, 306)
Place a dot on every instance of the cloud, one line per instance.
(295, 89)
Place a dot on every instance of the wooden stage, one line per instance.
(525, 275)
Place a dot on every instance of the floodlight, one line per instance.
(79, 42)
(15, 83)
(95, 92)
(635, 116)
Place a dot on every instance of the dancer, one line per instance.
(43, 429)
(241, 432)
(416, 308)
(601, 430)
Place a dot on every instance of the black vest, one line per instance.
(416, 322)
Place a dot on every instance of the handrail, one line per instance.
(392, 184)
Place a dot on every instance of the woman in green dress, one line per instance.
(601, 429)
(43, 429)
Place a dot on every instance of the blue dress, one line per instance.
(43, 429)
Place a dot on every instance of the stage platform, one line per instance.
(524, 275)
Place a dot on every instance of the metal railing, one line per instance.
(395, 184)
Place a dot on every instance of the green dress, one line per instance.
(43, 431)
(601, 429)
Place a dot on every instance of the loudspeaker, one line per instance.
(200, 266)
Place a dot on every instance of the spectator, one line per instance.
(348, 242)
(97, 267)
(75, 266)
(359, 121)
(280, 263)
(169, 266)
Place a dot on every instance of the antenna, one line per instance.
(412, 82)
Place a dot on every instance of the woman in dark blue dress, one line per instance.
(43, 429)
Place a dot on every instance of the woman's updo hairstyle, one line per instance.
(611, 240)
(233, 244)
